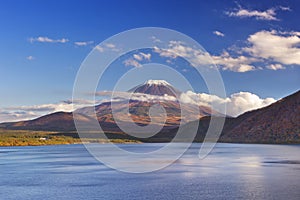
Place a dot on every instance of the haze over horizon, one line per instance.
(42, 48)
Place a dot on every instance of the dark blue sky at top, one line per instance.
(49, 77)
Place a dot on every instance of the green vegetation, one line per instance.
(33, 138)
(37, 138)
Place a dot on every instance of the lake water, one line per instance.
(231, 171)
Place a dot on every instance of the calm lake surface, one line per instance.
(230, 171)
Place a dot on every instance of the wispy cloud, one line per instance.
(142, 56)
(17, 113)
(199, 58)
(155, 39)
(285, 8)
(269, 14)
(11, 116)
(30, 58)
(107, 47)
(119, 96)
(132, 62)
(48, 40)
(275, 67)
(137, 58)
(83, 43)
(237, 64)
(110, 45)
(99, 48)
(61, 106)
(218, 33)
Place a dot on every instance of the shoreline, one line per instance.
(14, 138)
(138, 142)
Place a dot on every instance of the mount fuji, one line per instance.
(153, 92)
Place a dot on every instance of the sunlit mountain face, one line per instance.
(141, 98)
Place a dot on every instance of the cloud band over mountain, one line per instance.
(236, 103)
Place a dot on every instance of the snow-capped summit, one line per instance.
(156, 87)
(157, 82)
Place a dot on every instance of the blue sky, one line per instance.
(44, 42)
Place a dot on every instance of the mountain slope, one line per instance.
(58, 121)
(278, 122)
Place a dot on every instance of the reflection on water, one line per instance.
(231, 171)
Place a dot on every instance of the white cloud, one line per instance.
(110, 45)
(132, 62)
(107, 47)
(83, 43)
(176, 49)
(245, 101)
(11, 116)
(30, 58)
(48, 40)
(218, 33)
(99, 48)
(285, 8)
(18, 113)
(225, 61)
(275, 67)
(236, 104)
(269, 14)
(155, 39)
(279, 47)
(236, 64)
(135, 96)
(61, 106)
(142, 56)
(136, 59)
(297, 33)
